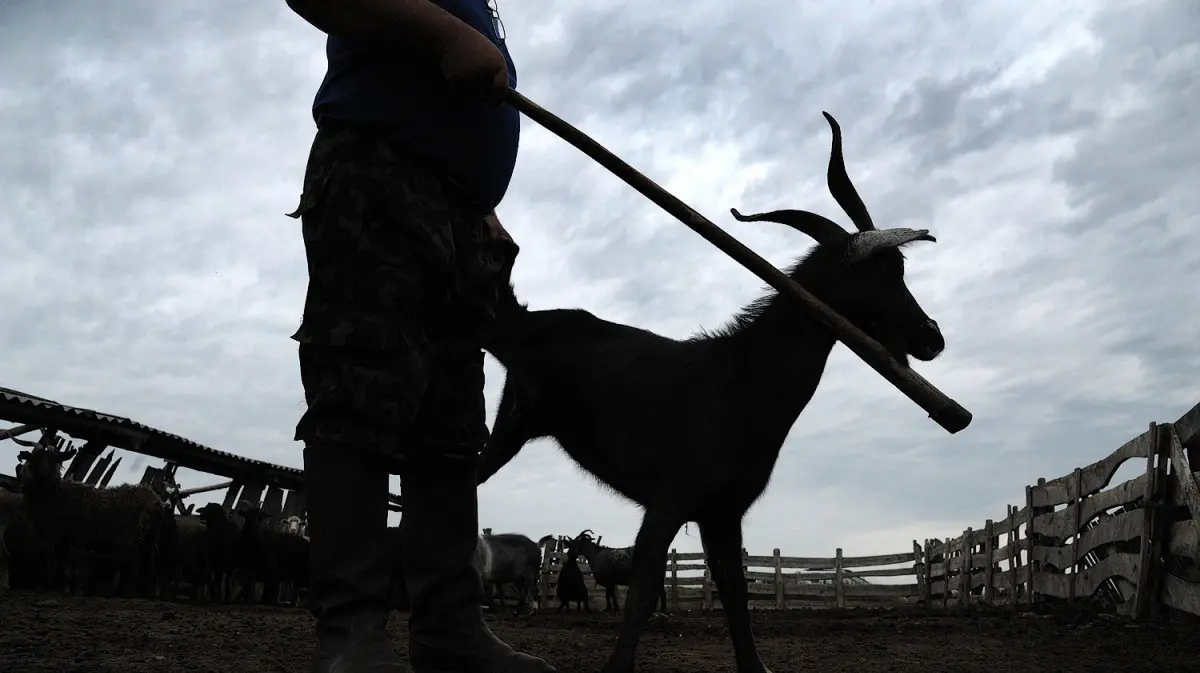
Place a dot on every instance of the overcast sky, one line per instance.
(149, 151)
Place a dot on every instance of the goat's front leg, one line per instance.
(659, 527)
(722, 540)
(513, 428)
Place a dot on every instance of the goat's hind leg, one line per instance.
(722, 540)
(659, 527)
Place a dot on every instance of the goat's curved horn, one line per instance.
(587, 532)
(820, 229)
(869, 242)
(840, 185)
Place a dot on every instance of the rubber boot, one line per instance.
(347, 496)
(440, 525)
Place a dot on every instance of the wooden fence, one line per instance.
(775, 582)
(1135, 545)
(1079, 538)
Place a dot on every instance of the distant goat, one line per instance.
(570, 587)
(509, 558)
(691, 429)
(611, 567)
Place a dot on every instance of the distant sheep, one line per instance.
(118, 525)
(12, 506)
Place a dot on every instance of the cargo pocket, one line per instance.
(315, 187)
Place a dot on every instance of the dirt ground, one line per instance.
(43, 632)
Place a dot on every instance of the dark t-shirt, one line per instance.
(375, 83)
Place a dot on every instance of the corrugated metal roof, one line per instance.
(294, 476)
(18, 397)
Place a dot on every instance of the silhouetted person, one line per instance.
(411, 156)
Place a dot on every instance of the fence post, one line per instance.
(946, 574)
(544, 580)
(780, 601)
(1014, 556)
(674, 580)
(964, 576)
(919, 565)
(839, 591)
(1035, 566)
(1078, 532)
(989, 571)
(708, 587)
(1149, 565)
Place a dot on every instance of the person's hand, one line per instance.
(474, 66)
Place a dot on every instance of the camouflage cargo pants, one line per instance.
(403, 278)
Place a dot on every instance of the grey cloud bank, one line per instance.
(150, 150)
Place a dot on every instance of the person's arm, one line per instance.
(419, 24)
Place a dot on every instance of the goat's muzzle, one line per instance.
(928, 342)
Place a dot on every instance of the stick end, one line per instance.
(953, 417)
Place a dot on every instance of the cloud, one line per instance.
(151, 150)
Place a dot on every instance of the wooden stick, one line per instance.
(943, 410)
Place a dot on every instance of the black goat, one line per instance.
(611, 567)
(691, 429)
(570, 586)
(220, 535)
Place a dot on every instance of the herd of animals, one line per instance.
(128, 540)
(689, 429)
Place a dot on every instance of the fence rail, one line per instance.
(1134, 545)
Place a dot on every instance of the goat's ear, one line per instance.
(23, 456)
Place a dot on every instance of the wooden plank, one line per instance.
(108, 474)
(1186, 482)
(691, 556)
(1012, 520)
(1031, 533)
(919, 571)
(1096, 476)
(926, 577)
(1059, 585)
(1187, 428)
(544, 581)
(827, 576)
(295, 504)
(231, 496)
(1127, 492)
(1118, 528)
(272, 503)
(708, 589)
(1078, 526)
(97, 472)
(85, 456)
(837, 582)
(947, 550)
(780, 599)
(1180, 594)
(964, 576)
(990, 566)
(1061, 524)
(251, 496)
(674, 570)
(1141, 596)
